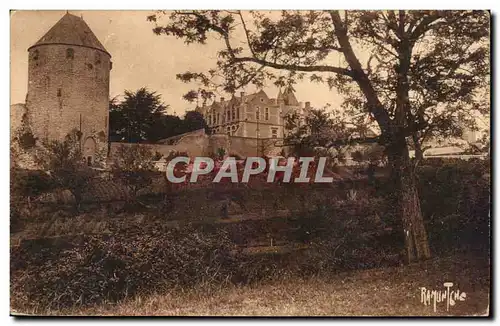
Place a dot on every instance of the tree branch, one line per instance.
(293, 67)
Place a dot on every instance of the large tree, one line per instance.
(134, 119)
(400, 67)
(141, 117)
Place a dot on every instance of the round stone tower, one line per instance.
(68, 87)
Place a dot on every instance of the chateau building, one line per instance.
(253, 115)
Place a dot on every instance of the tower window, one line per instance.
(70, 53)
(59, 92)
(97, 58)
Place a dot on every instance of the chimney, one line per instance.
(242, 94)
(308, 105)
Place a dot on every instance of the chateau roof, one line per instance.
(71, 30)
(289, 97)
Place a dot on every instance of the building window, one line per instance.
(228, 115)
(274, 132)
(70, 53)
(209, 119)
(233, 113)
(257, 113)
(97, 58)
(35, 55)
(218, 118)
(59, 92)
(238, 112)
(267, 113)
(262, 100)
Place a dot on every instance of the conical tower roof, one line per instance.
(289, 97)
(280, 95)
(71, 30)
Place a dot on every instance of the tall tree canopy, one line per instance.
(141, 117)
(133, 119)
(404, 68)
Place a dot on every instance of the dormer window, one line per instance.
(70, 53)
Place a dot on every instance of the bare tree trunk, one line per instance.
(415, 235)
(419, 153)
(416, 243)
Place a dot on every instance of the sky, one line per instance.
(140, 58)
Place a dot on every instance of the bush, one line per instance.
(24, 186)
(94, 269)
(349, 235)
(455, 200)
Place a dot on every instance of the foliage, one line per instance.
(66, 165)
(438, 59)
(95, 269)
(319, 133)
(27, 140)
(133, 165)
(25, 183)
(24, 186)
(374, 154)
(193, 120)
(134, 118)
(220, 153)
(141, 116)
(421, 64)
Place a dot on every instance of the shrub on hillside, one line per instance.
(65, 163)
(455, 199)
(95, 269)
(24, 186)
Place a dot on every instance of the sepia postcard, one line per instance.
(250, 163)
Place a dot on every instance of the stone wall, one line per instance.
(16, 118)
(244, 147)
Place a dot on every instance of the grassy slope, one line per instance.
(391, 291)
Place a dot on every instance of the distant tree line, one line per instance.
(142, 117)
